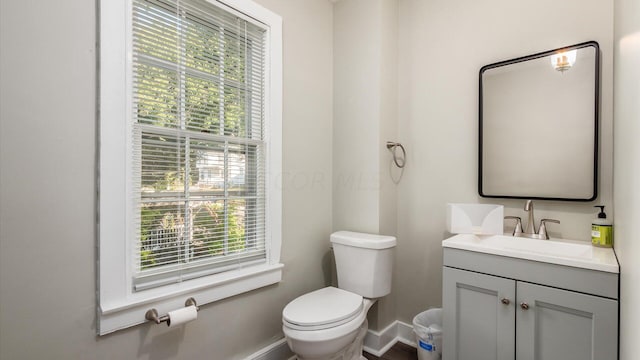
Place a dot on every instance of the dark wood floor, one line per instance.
(399, 351)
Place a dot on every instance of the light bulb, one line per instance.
(563, 60)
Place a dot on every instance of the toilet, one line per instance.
(331, 323)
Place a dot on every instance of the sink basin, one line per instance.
(546, 247)
(556, 251)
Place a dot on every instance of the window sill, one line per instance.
(129, 312)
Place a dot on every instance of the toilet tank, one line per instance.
(364, 262)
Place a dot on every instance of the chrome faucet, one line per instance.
(530, 231)
(531, 225)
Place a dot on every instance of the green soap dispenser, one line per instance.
(601, 230)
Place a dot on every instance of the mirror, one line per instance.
(539, 125)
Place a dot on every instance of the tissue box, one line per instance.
(479, 219)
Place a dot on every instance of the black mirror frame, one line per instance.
(596, 118)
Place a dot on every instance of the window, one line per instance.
(189, 147)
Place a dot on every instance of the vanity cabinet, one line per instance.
(476, 323)
(500, 308)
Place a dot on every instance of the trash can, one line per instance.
(428, 329)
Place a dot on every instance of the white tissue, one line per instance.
(181, 316)
(479, 219)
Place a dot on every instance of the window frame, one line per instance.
(119, 306)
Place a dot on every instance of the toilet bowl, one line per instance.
(323, 323)
(331, 323)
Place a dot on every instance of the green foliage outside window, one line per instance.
(162, 232)
(194, 81)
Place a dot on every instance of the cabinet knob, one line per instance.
(505, 301)
(524, 306)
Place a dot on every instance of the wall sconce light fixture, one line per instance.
(563, 60)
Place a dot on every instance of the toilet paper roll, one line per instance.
(181, 316)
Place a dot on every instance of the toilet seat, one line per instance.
(322, 309)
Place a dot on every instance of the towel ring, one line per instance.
(392, 146)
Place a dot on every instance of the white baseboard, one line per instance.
(375, 343)
(379, 342)
(279, 350)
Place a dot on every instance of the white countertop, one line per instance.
(573, 253)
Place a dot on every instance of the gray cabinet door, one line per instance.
(477, 324)
(565, 325)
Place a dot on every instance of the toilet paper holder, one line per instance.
(152, 314)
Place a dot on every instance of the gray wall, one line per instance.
(47, 191)
(442, 45)
(627, 171)
(364, 118)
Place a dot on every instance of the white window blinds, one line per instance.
(197, 136)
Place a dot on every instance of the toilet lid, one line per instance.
(323, 308)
